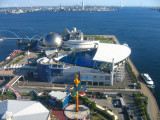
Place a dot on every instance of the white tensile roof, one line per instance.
(23, 110)
(108, 52)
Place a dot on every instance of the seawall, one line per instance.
(153, 108)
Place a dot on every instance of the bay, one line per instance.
(138, 27)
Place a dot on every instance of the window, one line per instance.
(94, 76)
(82, 77)
(89, 78)
(107, 77)
(101, 77)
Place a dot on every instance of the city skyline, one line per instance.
(30, 3)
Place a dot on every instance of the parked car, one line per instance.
(117, 103)
(139, 118)
(131, 116)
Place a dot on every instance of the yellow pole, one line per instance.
(77, 81)
(77, 102)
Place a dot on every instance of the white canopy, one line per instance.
(108, 52)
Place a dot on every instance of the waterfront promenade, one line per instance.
(153, 108)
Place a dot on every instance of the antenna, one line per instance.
(83, 5)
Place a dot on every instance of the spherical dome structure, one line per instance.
(52, 40)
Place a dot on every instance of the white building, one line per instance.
(115, 55)
(85, 44)
(23, 110)
(76, 40)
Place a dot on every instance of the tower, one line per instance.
(83, 5)
(121, 4)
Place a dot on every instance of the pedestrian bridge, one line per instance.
(5, 38)
(11, 82)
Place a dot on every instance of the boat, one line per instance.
(1, 40)
(8, 58)
(151, 86)
(148, 80)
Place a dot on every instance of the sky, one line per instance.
(26, 3)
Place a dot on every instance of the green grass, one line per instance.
(25, 94)
(19, 59)
(97, 116)
(101, 38)
(7, 95)
(142, 103)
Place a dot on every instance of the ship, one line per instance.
(1, 40)
(148, 80)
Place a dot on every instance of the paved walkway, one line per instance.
(57, 114)
(17, 93)
(81, 114)
(153, 109)
(8, 85)
(6, 73)
(12, 81)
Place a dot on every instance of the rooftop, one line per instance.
(108, 52)
(17, 109)
(58, 95)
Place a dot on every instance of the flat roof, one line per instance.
(58, 95)
(108, 52)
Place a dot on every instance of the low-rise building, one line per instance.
(23, 110)
(59, 98)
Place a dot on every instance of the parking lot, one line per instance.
(108, 104)
(131, 106)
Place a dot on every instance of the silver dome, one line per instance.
(52, 40)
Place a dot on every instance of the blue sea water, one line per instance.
(138, 27)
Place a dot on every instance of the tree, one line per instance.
(60, 105)
(93, 105)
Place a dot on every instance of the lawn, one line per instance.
(102, 39)
(7, 95)
(97, 116)
(19, 59)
